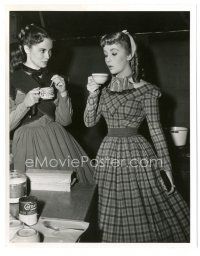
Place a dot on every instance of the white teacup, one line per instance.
(100, 78)
(47, 93)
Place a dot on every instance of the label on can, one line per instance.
(28, 205)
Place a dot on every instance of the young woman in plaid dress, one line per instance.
(134, 204)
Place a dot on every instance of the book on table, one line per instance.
(51, 180)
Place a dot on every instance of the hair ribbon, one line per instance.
(133, 45)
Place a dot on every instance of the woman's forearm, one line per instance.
(92, 112)
(16, 114)
(152, 115)
(63, 113)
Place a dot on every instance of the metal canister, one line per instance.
(28, 210)
(18, 186)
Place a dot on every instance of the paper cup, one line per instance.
(179, 135)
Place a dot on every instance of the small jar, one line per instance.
(18, 186)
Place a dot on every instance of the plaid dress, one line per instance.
(133, 204)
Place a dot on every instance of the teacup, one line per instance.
(47, 93)
(100, 78)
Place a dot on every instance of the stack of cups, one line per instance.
(18, 232)
(18, 186)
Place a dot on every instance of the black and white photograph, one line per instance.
(99, 126)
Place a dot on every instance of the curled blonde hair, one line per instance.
(124, 40)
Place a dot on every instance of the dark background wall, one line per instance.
(165, 57)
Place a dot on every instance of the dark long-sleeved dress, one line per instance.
(40, 141)
(133, 202)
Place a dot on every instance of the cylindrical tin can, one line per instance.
(26, 235)
(28, 210)
(18, 186)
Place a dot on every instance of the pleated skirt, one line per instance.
(44, 144)
(133, 203)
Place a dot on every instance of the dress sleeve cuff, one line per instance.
(63, 94)
(94, 94)
(23, 108)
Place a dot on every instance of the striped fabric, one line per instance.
(133, 202)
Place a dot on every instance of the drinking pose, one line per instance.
(39, 108)
(135, 205)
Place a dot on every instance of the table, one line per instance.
(79, 204)
(75, 205)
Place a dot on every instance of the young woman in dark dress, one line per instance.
(134, 203)
(40, 141)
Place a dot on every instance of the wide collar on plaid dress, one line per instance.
(121, 90)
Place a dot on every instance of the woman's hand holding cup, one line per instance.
(59, 83)
(91, 85)
(32, 97)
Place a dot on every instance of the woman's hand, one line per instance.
(169, 175)
(91, 85)
(171, 190)
(32, 97)
(59, 83)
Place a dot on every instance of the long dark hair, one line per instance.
(30, 35)
(124, 40)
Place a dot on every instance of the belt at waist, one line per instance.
(122, 132)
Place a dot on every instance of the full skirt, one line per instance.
(47, 145)
(133, 203)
